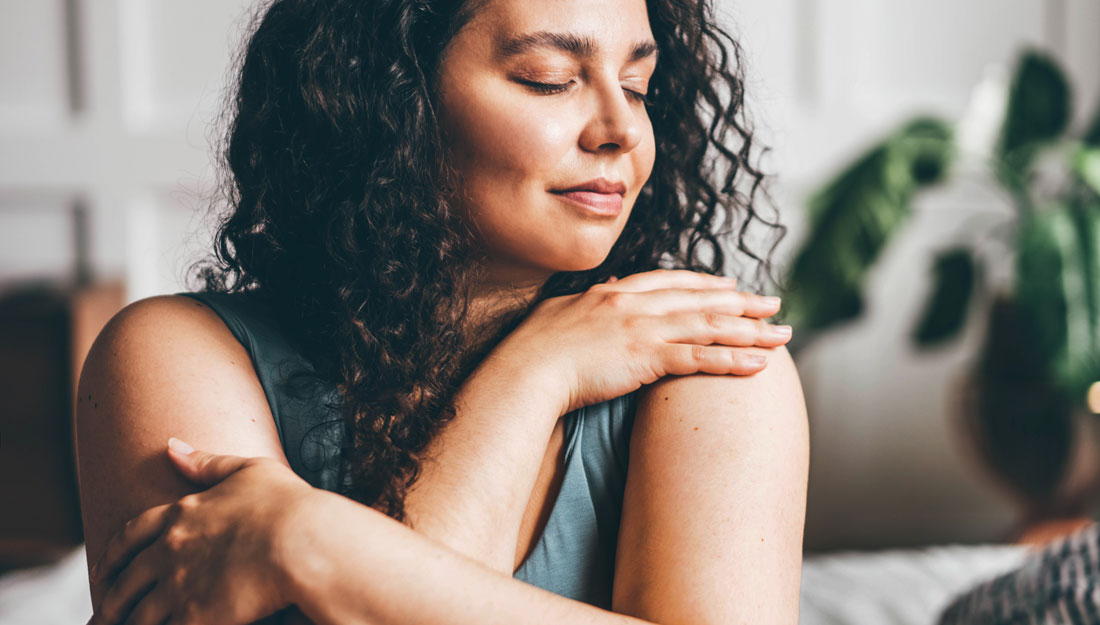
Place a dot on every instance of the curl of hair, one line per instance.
(335, 171)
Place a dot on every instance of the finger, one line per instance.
(673, 278)
(203, 467)
(727, 301)
(137, 534)
(684, 359)
(705, 328)
(133, 583)
(153, 609)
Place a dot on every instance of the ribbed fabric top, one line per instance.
(575, 555)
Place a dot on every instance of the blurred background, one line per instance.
(938, 165)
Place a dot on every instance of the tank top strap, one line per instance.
(305, 408)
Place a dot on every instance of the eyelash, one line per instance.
(549, 88)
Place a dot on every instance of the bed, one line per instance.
(890, 587)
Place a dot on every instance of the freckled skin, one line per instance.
(511, 143)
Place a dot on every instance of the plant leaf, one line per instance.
(1058, 293)
(852, 218)
(1092, 135)
(1086, 163)
(955, 278)
(1039, 110)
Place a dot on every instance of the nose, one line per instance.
(615, 124)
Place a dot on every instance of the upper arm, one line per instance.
(715, 499)
(165, 366)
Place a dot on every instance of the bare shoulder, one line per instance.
(166, 350)
(778, 385)
(710, 425)
(714, 505)
(163, 366)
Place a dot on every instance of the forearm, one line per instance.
(367, 568)
(479, 471)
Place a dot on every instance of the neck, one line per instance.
(492, 300)
(499, 294)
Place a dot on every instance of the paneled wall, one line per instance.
(106, 108)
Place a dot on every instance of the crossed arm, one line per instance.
(712, 515)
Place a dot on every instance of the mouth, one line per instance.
(599, 197)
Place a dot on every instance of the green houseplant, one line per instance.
(1041, 352)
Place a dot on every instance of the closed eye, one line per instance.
(552, 88)
(544, 87)
(640, 97)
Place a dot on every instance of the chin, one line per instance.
(582, 262)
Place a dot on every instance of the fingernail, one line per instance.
(756, 361)
(180, 447)
(782, 330)
(771, 300)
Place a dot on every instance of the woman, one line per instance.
(432, 202)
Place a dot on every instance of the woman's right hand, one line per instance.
(617, 336)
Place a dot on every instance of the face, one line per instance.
(537, 97)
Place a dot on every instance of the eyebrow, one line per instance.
(583, 46)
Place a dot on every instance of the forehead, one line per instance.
(506, 28)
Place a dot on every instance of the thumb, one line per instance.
(200, 466)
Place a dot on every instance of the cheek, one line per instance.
(642, 159)
(501, 141)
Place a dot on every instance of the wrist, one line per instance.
(334, 548)
(299, 563)
(540, 378)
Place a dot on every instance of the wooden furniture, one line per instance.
(45, 333)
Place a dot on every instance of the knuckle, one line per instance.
(739, 303)
(616, 300)
(699, 353)
(632, 323)
(712, 320)
(203, 463)
(745, 333)
(179, 577)
(175, 538)
(188, 502)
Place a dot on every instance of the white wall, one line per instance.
(888, 465)
(107, 104)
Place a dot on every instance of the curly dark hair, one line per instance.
(334, 170)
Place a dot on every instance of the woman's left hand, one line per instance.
(215, 557)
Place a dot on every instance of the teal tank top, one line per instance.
(575, 555)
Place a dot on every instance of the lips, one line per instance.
(598, 197)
